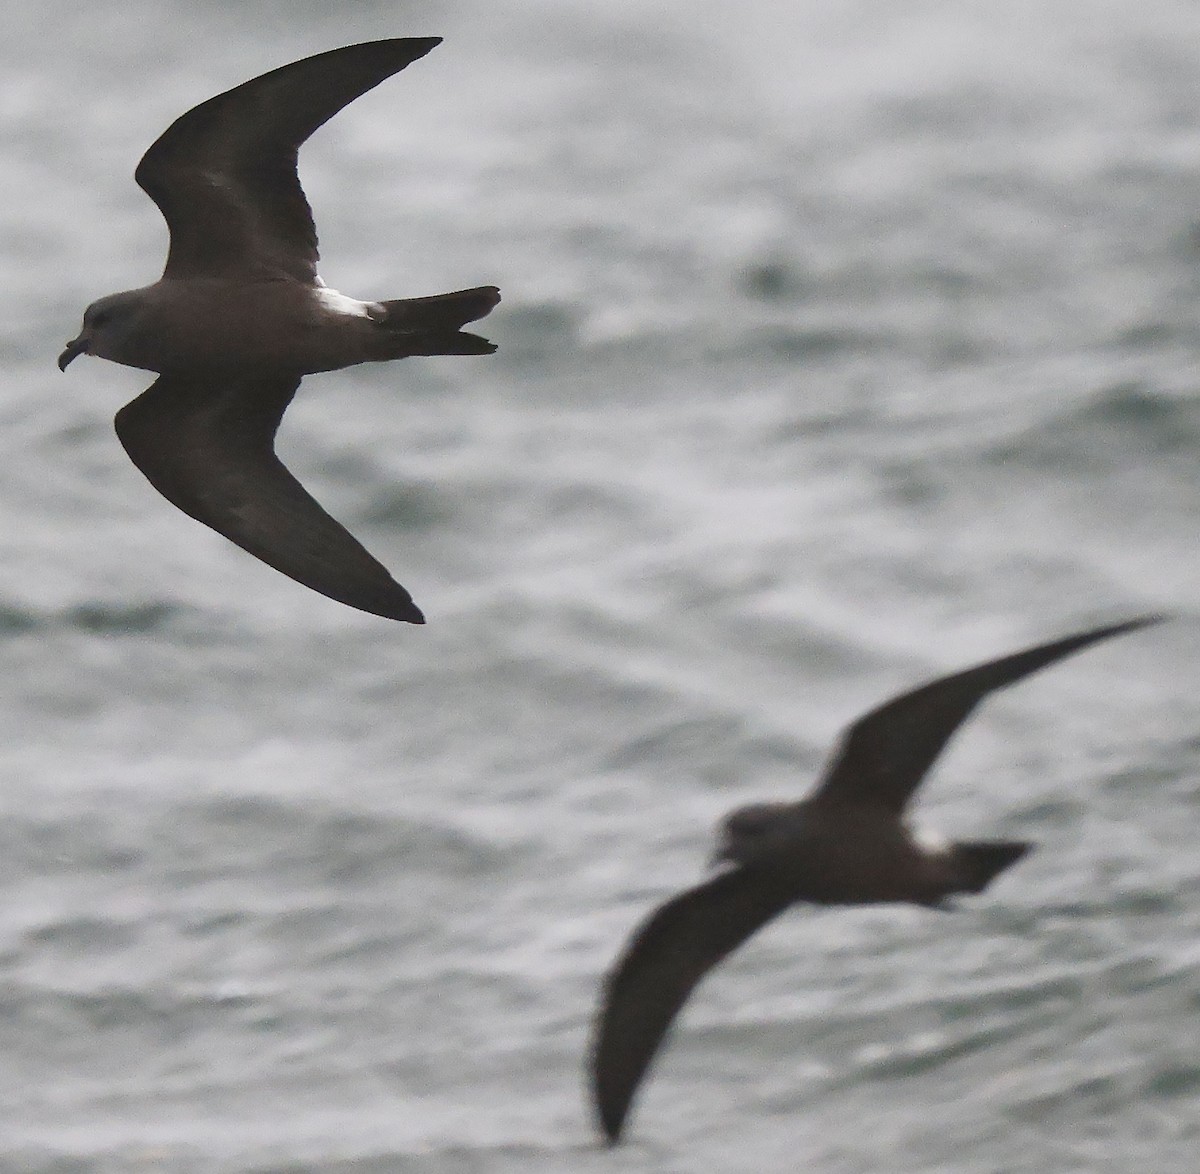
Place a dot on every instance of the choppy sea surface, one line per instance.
(841, 346)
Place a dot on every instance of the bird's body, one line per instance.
(848, 843)
(312, 328)
(240, 315)
(887, 863)
(307, 335)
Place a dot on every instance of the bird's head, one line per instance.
(108, 324)
(753, 833)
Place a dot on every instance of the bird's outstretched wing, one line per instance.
(664, 960)
(206, 443)
(224, 174)
(883, 756)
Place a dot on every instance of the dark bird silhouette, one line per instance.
(239, 316)
(847, 844)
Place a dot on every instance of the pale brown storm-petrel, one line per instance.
(847, 844)
(239, 316)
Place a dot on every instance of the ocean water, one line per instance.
(841, 346)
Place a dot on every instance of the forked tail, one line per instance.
(441, 313)
(979, 862)
(433, 325)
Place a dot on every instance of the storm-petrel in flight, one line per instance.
(847, 844)
(239, 316)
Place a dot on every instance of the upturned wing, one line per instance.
(664, 960)
(206, 443)
(224, 174)
(883, 756)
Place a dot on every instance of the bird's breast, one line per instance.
(856, 856)
(269, 325)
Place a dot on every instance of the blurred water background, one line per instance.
(841, 345)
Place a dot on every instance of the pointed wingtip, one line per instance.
(405, 610)
(611, 1110)
(401, 52)
(611, 1099)
(1122, 628)
(415, 47)
(1147, 621)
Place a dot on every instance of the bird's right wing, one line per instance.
(207, 445)
(664, 960)
(886, 753)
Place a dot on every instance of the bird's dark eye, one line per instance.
(101, 317)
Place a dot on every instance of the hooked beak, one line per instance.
(77, 346)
